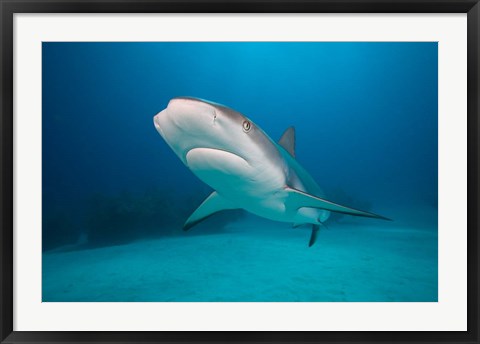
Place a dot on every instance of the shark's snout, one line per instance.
(185, 124)
(191, 109)
(156, 123)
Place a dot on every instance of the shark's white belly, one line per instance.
(274, 208)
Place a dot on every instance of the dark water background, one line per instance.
(365, 116)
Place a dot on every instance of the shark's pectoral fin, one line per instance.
(287, 141)
(297, 199)
(212, 204)
(313, 236)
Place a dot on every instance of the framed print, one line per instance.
(245, 172)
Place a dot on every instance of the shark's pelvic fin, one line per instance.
(212, 204)
(313, 236)
(297, 199)
(287, 141)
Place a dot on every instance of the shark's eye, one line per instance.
(246, 126)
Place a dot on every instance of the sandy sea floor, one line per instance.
(349, 262)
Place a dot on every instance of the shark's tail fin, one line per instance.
(315, 230)
(313, 236)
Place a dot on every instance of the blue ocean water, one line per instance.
(115, 196)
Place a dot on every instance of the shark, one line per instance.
(244, 166)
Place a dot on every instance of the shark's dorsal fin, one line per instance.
(297, 199)
(287, 141)
(212, 204)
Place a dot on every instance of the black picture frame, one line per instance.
(9, 7)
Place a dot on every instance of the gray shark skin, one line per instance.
(246, 168)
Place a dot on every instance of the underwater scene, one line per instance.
(239, 172)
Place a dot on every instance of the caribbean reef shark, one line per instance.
(246, 168)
